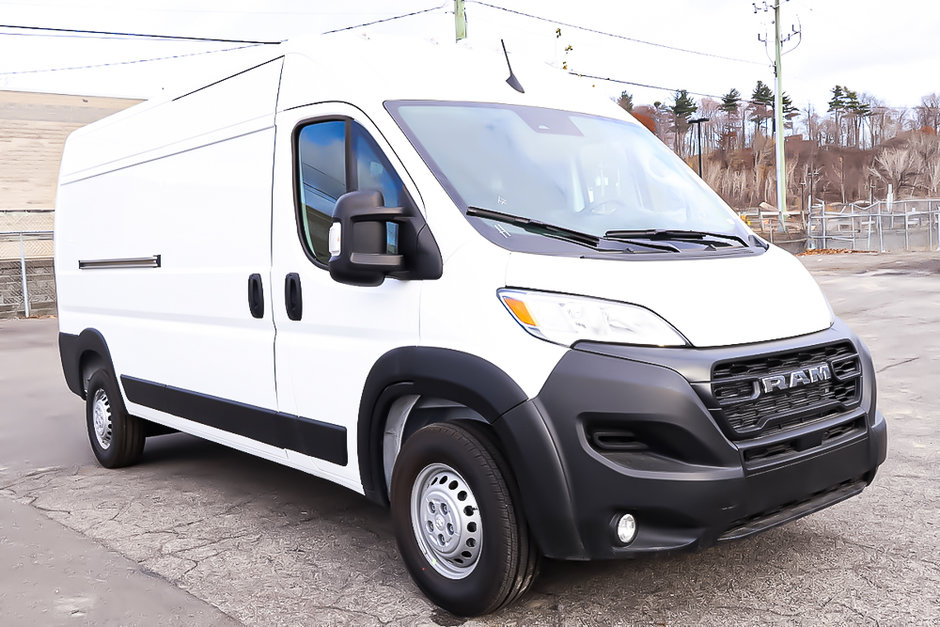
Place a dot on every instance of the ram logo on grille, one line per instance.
(797, 378)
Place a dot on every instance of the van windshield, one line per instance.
(590, 174)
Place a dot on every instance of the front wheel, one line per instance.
(459, 525)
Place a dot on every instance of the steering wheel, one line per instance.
(604, 207)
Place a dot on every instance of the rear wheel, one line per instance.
(458, 522)
(116, 438)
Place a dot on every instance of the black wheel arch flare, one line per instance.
(515, 419)
(74, 349)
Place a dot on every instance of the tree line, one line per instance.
(852, 151)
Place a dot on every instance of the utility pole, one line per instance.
(778, 123)
(460, 19)
(698, 123)
(778, 109)
(813, 175)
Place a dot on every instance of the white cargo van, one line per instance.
(503, 308)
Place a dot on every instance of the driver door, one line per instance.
(328, 335)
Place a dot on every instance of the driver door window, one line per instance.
(335, 157)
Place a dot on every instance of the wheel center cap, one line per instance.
(439, 522)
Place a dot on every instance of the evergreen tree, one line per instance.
(789, 111)
(837, 107)
(856, 111)
(848, 109)
(682, 108)
(730, 104)
(625, 101)
(837, 102)
(763, 94)
(762, 102)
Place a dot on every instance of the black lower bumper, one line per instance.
(621, 435)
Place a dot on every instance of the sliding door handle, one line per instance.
(256, 296)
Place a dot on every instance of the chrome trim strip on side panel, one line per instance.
(153, 261)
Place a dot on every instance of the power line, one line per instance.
(386, 19)
(64, 32)
(73, 4)
(659, 87)
(64, 36)
(140, 35)
(614, 35)
(114, 63)
(108, 35)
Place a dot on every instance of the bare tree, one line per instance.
(878, 120)
(709, 108)
(897, 121)
(897, 167)
(931, 178)
(926, 148)
(928, 113)
(831, 130)
(813, 124)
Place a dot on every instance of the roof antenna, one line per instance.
(512, 80)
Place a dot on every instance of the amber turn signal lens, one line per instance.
(519, 310)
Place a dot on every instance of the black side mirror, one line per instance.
(359, 239)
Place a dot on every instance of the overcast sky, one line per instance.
(887, 49)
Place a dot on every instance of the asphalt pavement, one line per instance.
(199, 534)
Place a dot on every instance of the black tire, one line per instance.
(506, 562)
(118, 439)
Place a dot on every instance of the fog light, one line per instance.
(626, 528)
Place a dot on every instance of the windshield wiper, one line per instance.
(675, 235)
(537, 227)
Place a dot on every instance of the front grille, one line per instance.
(756, 455)
(748, 410)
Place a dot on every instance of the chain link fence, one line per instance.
(27, 282)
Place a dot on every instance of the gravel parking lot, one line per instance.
(199, 534)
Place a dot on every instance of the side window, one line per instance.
(322, 154)
(325, 175)
(373, 170)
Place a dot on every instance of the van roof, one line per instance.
(365, 71)
(393, 68)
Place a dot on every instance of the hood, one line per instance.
(712, 301)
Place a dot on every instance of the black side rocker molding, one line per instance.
(306, 436)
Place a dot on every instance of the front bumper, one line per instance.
(634, 431)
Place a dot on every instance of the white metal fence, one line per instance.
(900, 225)
(883, 226)
(27, 283)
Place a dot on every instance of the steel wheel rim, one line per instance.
(446, 521)
(101, 418)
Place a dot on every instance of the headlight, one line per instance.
(565, 319)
